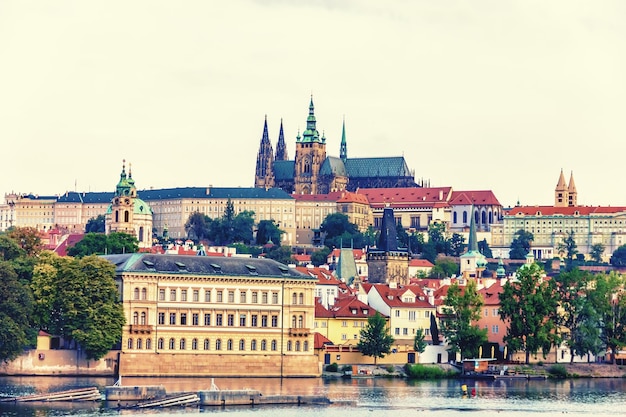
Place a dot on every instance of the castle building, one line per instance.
(313, 172)
(128, 213)
(215, 316)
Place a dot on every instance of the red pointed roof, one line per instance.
(422, 263)
(477, 198)
(352, 307)
(319, 340)
(405, 197)
(393, 296)
(324, 276)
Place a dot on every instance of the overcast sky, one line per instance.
(476, 95)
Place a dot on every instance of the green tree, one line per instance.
(596, 252)
(242, 227)
(429, 251)
(483, 247)
(338, 232)
(456, 244)
(96, 224)
(15, 310)
(619, 256)
(437, 235)
(568, 248)
(402, 236)
(461, 307)
(434, 330)
(576, 313)
(609, 301)
(280, 254)
(419, 344)
(197, 226)
(100, 244)
(444, 268)
(416, 242)
(529, 305)
(28, 238)
(266, 231)
(320, 257)
(520, 246)
(83, 302)
(375, 341)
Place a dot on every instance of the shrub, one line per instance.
(333, 367)
(390, 369)
(418, 371)
(557, 371)
(346, 368)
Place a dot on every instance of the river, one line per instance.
(370, 397)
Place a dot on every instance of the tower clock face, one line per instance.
(126, 201)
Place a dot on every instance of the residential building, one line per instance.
(343, 321)
(214, 316)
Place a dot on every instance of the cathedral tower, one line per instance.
(560, 192)
(387, 263)
(572, 195)
(264, 174)
(310, 154)
(343, 150)
(281, 148)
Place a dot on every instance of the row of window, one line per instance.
(494, 312)
(182, 319)
(413, 314)
(405, 331)
(206, 344)
(142, 294)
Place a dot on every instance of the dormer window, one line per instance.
(365, 311)
(354, 311)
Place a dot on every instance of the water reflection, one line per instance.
(388, 397)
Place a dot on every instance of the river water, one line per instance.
(360, 397)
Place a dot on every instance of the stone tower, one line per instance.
(565, 195)
(310, 154)
(281, 147)
(264, 174)
(387, 263)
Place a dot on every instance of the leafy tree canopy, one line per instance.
(619, 256)
(320, 257)
(280, 254)
(96, 224)
(456, 245)
(520, 246)
(340, 232)
(375, 340)
(101, 244)
(444, 268)
(268, 230)
(28, 238)
(596, 252)
(16, 305)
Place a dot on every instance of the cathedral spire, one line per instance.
(560, 192)
(343, 150)
(472, 245)
(311, 134)
(281, 147)
(572, 195)
(264, 175)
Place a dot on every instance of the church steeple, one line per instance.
(388, 239)
(264, 175)
(343, 150)
(572, 195)
(311, 134)
(472, 245)
(560, 192)
(124, 186)
(281, 147)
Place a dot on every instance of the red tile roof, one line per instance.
(491, 295)
(478, 198)
(422, 263)
(564, 211)
(398, 197)
(320, 340)
(393, 296)
(348, 197)
(351, 307)
(324, 276)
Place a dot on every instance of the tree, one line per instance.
(242, 226)
(82, 299)
(609, 301)
(576, 313)
(96, 224)
(483, 247)
(197, 226)
(444, 268)
(375, 341)
(596, 252)
(569, 248)
(419, 344)
(402, 236)
(529, 305)
(520, 246)
(619, 256)
(320, 257)
(338, 232)
(437, 235)
(100, 244)
(15, 310)
(266, 231)
(434, 330)
(28, 238)
(462, 306)
(416, 242)
(280, 254)
(456, 244)
(429, 251)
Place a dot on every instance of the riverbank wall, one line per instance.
(60, 363)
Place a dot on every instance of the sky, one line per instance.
(477, 95)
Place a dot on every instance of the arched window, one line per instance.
(300, 322)
(182, 344)
(140, 234)
(160, 343)
(298, 346)
(207, 344)
(294, 298)
(483, 218)
(476, 216)
(454, 217)
(289, 346)
(144, 293)
(242, 344)
(293, 322)
(143, 318)
(139, 344)
(306, 346)
(172, 344)
(218, 344)
(253, 344)
(148, 344)
(490, 217)
(117, 216)
(274, 344)
(136, 294)
(130, 343)
(301, 299)
(126, 216)
(263, 344)
(229, 344)
(465, 217)
(135, 318)
(194, 344)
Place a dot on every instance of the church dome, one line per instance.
(141, 207)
